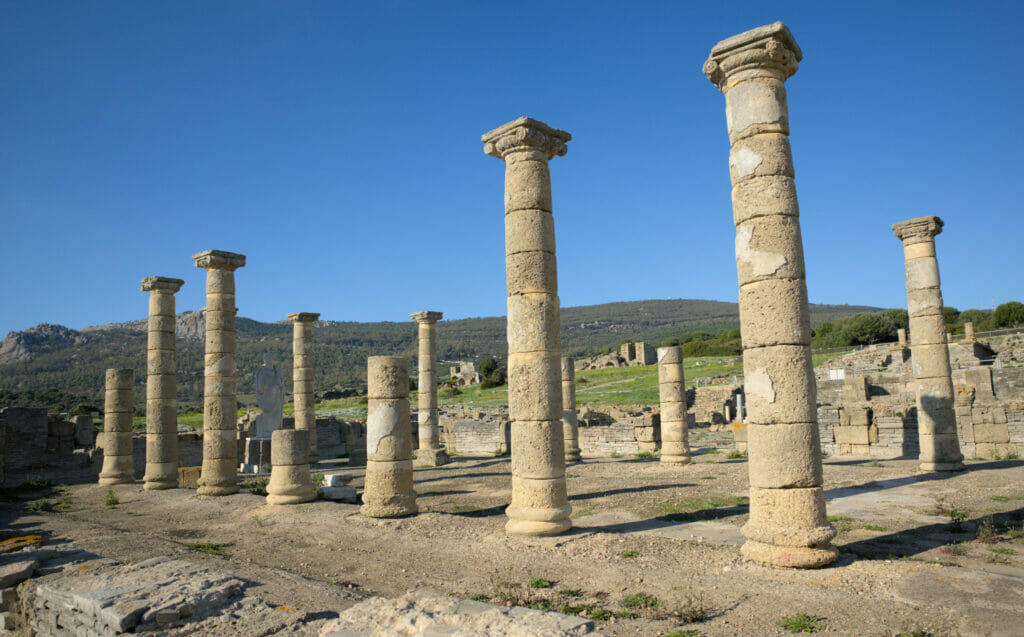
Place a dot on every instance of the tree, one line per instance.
(867, 328)
(899, 317)
(1010, 314)
(487, 366)
(950, 315)
(980, 318)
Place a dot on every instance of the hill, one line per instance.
(49, 360)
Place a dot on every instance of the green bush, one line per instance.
(1010, 314)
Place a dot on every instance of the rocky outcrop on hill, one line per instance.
(22, 346)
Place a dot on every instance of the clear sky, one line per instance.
(337, 145)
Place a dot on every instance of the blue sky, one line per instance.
(337, 145)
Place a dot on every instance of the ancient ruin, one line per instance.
(936, 418)
(220, 405)
(570, 426)
(788, 525)
(388, 490)
(539, 505)
(302, 378)
(161, 385)
(430, 452)
(675, 442)
(119, 407)
(290, 480)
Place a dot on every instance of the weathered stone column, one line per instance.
(570, 426)
(969, 332)
(161, 385)
(933, 381)
(220, 393)
(430, 452)
(539, 505)
(118, 408)
(787, 526)
(901, 338)
(675, 443)
(388, 491)
(290, 480)
(302, 379)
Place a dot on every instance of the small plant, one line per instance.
(714, 452)
(641, 600)
(318, 479)
(874, 527)
(111, 500)
(707, 477)
(875, 463)
(986, 532)
(1002, 550)
(842, 523)
(42, 505)
(479, 597)
(692, 610)
(506, 592)
(540, 604)
(644, 455)
(1000, 498)
(257, 485)
(599, 614)
(914, 632)
(500, 453)
(956, 548)
(629, 555)
(682, 633)
(539, 582)
(215, 549)
(615, 454)
(801, 623)
(569, 592)
(736, 454)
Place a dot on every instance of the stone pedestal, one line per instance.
(969, 332)
(220, 392)
(388, 491)
(675, 443)
(739, 408)
(302, 378)
(570, 425)
(430, 452)
(788, 525)
(116, 439)
(161, 385)
(539, 505)
(933, 382)
(290, 480)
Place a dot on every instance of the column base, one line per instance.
(158, 485)
(295, 498)
(217, 489)
(675, 459)
(789, 556)
(536, 528)
(432, 457)
(106, 480)
(572, 456)
(930, 466)
(399, 507)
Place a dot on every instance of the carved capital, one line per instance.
(426, 316)
(918, 230)
(218, 260)
(161, 284)
(303, 317)
(525, 134)
(770, 49)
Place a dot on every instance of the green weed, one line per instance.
(641, 600)
(629, 555)
(800, 623)
(539, 582)
(111, 500)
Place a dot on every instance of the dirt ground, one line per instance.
(653, 545)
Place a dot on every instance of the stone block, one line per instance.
(991, 433)
(852, 435)
(338, 494)
(188, 477)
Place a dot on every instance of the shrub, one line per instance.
(1010, 314)
(800, 623)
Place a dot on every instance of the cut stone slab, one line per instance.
(900, 497)
(428, 613)
(337, 479)
(15, 568)
(339, 494)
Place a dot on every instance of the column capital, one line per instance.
(218, 260)
(525, 134)
(918, 229)
(303, 317)
(161, 284)
(426, 316)
(770, 48)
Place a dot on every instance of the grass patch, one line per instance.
(539, 582)
(615, 454)
(318, 479)
(110, 500)
(956, 548)
(682, 633)
(645, 455)
(641, 600)
(541, 604)
(736, 454)
(999, 498)
(1002, 550)
(42, 505)
(714, 452)
(630, 555)
(706, 508)
(692, 609)
(874, 527)
(707, 477)
(257, 485)
(215, 549)
(800, 623)
(986, 532)
(479, 597)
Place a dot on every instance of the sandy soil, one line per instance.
(938, 553)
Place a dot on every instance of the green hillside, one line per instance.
(67, 366)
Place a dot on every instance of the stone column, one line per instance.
(118, 408)
(901, 337)
(430, 452)
(302, 379)
(220, 403)
(675, 443)
(570, 426)
(388, 491)
(787, 526)
(290, 480)
(969, 332)
(933, 382)
(161, 385)
(539, 505)
(739, 407)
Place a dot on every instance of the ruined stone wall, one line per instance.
(480, 437)
(40, 446)
(609, 440)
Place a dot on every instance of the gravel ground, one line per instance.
(938, 553)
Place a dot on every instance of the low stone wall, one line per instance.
(480, 437)
(602, 441)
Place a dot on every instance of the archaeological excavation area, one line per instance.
(877, 492)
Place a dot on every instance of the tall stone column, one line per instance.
(933, 381)
(161, 385)
(118, 408)
(570, 425)
(969, 332)
(302, 379)
(388, 490)
(787, 526)
(539, 505)
(220, 392)
(430, 452)
(675, 442)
